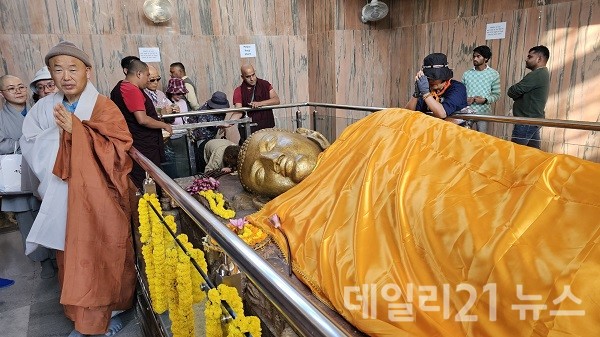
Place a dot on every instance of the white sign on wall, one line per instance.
(247, 50)
(149, 54)
(495, 31)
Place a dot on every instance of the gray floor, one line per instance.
(30, 307)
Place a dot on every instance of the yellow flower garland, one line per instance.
(175, 283)
(173, 293)
(212, 313)
(153, 251)
(184, 289)
(237, 327)
(198, 256)
(168, 268)
(217, 204)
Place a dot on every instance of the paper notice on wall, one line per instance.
(495, 31)
(247, 50)
(149, 54)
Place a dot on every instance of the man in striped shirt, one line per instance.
(483, 84)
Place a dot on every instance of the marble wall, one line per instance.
(320, 51)
(203, 35)
(374, 64)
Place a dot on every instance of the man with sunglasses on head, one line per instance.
(42, 84)
(436, 93)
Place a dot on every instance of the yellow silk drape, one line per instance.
(405, 201)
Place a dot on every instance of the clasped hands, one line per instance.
(63, 118)
(476, 100)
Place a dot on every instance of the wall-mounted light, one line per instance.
(158, 10)
(373, 11)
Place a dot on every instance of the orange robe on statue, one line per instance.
(97, 270)
(413, 226)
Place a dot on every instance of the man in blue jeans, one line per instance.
(530, 96)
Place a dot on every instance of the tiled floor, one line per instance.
(30, 307)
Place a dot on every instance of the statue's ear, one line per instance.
(315, 136)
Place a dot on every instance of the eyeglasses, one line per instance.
(49, 86)
(12, 90)
(154, 80)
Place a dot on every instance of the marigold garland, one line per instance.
(175, 283)
(173, 293)
(198, 256)
(212, 313)
(159, 300)
(217, 204)
(184, 289)
(168, 269)
(237, 327)
(153, 251)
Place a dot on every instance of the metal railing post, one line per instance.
(298, 119)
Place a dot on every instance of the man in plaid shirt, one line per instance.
(483, 84)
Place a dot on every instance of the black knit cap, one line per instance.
(435, 67)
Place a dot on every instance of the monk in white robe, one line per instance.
(77, 141)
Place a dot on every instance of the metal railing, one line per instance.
(571, 124)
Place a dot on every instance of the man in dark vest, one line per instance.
(254, 93)
(141, 117)
(177, 70)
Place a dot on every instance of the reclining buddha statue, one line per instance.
(271, 161)
(412, 226)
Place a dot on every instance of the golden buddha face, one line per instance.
(272, 161)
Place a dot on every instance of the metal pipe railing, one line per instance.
(302, 315)
(560, 123)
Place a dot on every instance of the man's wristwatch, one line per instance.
(416, 94)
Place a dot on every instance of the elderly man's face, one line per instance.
(153, 79)
(70, 75)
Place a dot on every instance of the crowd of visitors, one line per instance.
(76, 223)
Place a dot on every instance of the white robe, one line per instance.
(39, 145)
